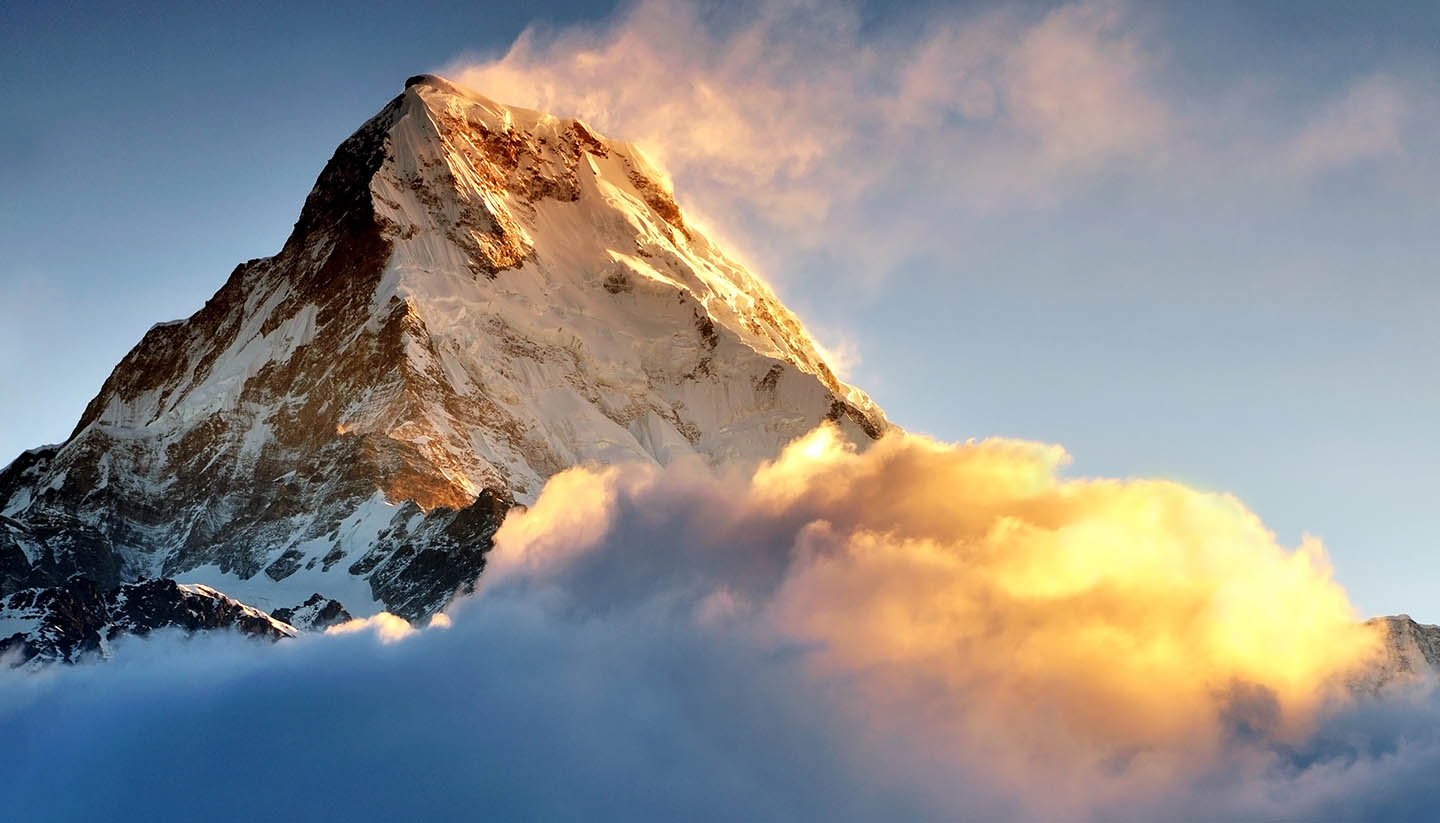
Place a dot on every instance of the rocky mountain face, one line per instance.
(316, 614)
(474, 298)
(76, 619)
(1409, 651)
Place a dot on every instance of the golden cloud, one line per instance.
(1035, 618)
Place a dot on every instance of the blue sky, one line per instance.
(1184, 241)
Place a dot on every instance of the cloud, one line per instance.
(1366, 122)
(388, 628)
(918, 631)
(778, 130)
(1066, 623)
(516, 712)
(1078, 85)
(814, 136)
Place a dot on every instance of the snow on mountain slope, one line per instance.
(474, 298)
(620, 334)
(76, 619)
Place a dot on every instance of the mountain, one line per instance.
(1409, 651)
(474, 298)
(66, 623)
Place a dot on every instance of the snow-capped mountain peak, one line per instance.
(475, 297)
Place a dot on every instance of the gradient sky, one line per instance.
(1209, 254)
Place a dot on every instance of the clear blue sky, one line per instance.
(1237, 289)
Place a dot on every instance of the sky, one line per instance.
(1187, 241)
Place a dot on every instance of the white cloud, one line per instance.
(388, 628)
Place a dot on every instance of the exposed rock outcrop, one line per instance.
(77, 619)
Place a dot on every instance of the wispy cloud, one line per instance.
(797, 116)
(804, 127)
(1366, 122)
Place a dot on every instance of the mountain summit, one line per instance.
(474, 298)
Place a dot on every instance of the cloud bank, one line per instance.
(1070, 639)
(918, 631)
